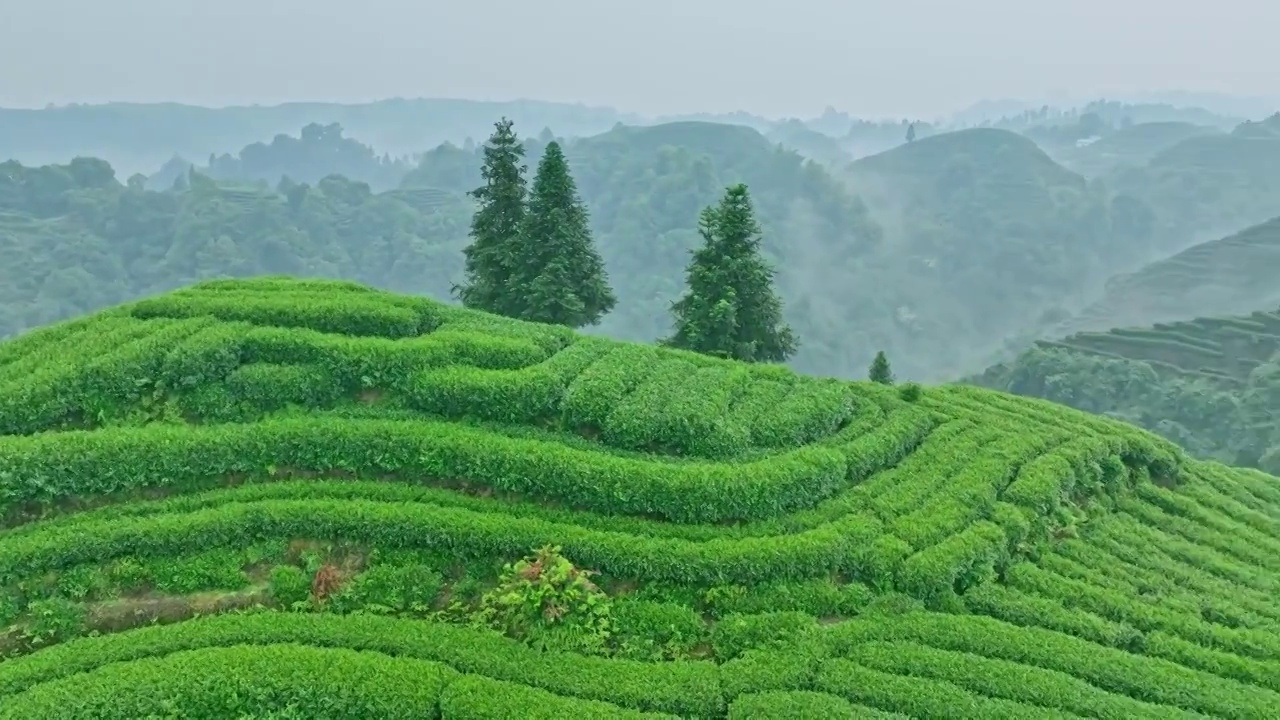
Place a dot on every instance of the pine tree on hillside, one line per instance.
(879, 371)
(560, 276)
(494, 251)
(730, 309)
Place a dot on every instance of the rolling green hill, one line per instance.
(1229, 276)
(1210, 384)
(986, 216)
(294, 499)
(1210, 185)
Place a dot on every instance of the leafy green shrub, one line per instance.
(772, 668)
(820, 597)
(218, 569)
(736, 634)
(54, 465)
(289, 585)
(129, 574)
(390, 589)
(472, 697)
(654, 631)
(10, 608)
(550, 604)
(54, 620)
(910, 392)
(800, 705)
(84, 581)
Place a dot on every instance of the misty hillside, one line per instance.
(140, 137)
(985, 216)
(1211, 185)
(1129, 146)
(1232, 275)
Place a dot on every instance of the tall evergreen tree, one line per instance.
(560, 275)
(493, 254)
(730, 309)
(879, 371)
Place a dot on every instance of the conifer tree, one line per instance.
(560, 276)
(879, 371)
(730, 309)
(494, 251)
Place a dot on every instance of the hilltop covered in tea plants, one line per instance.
(308, 499)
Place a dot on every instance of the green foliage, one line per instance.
(547, 602)
(478, 698)
(53, 620)
(390, 589)
(688, 689)
(687, 508)
(653, 631)
(559, 275)
(954, 206)
(314, 682)
(215, 569)
(879, 371)
(495, 253)
(1211, 384)
(801, 705)
(730, 309)
(289, 585)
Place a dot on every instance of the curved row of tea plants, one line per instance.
(316, 474)
(1220, 349)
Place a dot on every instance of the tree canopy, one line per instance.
(731, 309)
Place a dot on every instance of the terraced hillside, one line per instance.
(1210, 384)
(1229, 276)
(1209, 185)
(308, 499)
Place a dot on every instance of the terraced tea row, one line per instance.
(1222, 350)
(349, 483)
(917, 664)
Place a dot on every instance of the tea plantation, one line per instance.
(1222, 350)
(279, 498)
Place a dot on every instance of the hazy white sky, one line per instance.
(774, 57)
